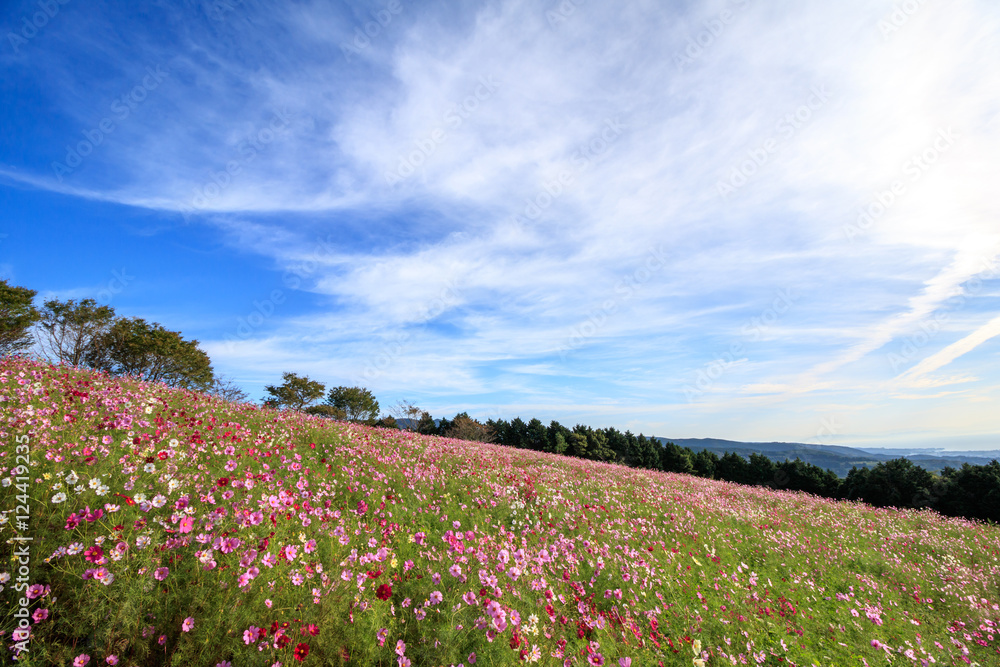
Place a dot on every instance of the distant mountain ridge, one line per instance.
(838, 458)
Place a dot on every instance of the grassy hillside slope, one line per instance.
(167, 527)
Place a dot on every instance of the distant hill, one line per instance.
(837, 458)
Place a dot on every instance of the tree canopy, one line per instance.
(17, 315)
(70, 330)
(132, 346)
(296, 392)
(357, 403)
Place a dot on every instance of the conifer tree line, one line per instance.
(84, 333)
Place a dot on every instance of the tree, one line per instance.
(297, 392)
(228, 390)
(70, 329)
(17, 315)
(324, 410)
(407, 412)
(558, 436)
(733, 468)
(464, 427)
(358, 403)
(426, 425)
(761, 471)
(537, 437)
(705, 462)
(577, 442)
(134, 347)
(674, 458)
(387, 422)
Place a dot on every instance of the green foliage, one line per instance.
(426, 425)
(464, 427)
(17, 315)
(676, 459)
(387, 422)
(134, 347)
(70, 330)
(357, 403)
(705, 463)
(296, 392)
(324, 410)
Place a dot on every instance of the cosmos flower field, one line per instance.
(165, 527)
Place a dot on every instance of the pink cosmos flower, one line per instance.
(81, 660)
(186, 525)
(188, 624)
(40, 615)
(250, 635)
(161, 573)
(111, 659)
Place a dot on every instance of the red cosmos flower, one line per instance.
(222, 481)
(282, 640)
(384, 592)
(162, 456)
(374, 574)
(301, 651)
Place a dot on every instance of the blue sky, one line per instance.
(756, 221)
